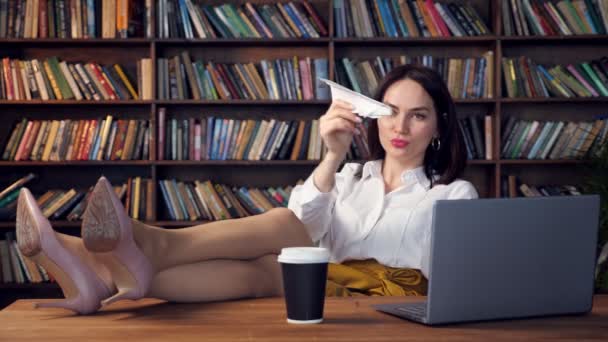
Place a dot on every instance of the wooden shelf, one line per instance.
(79, 163)
(241, 102)
(481, 162)
(484, 173)
(273, 162)
(475, 101)
(236, 102)
(543, 162)
(595, 38)
(10, 225)
(414, 40)
(192, 163)
(305, 41)
(235, 162)
(326, 40)
(62, 223)
(30, 286)
(76, 102)
(178, 224)
(600, 99)
(244, 42)
(74, 41)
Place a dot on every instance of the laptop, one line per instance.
(508, 258)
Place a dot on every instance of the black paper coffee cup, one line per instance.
(304, 278)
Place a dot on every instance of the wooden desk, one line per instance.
(346, 319)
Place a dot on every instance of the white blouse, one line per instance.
(357, 220)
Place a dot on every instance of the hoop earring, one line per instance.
(436, 144)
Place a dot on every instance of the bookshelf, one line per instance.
(485, 174)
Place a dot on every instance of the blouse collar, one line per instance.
(374, 169)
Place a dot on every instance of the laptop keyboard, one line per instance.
(415, 311)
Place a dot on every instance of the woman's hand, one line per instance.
(337, 127)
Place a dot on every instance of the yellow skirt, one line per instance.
(370, 278)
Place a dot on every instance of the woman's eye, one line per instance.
(420, 116)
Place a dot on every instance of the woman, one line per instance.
(375, 218)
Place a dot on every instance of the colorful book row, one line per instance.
(60, 204)
(525, 78)
(294, 19)
(283, 79)
(551, 18)
(466, 78)
(69, 140)
(51, 79)
(511, 186)
(204, 200)
(477, 134)
(536, 139)
(15, 267)
(217, 138)
(75, 18)
(406, 18)
(9, 195)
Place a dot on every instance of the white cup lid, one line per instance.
(304, 255)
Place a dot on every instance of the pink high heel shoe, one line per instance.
(82, 288)
(106, 230)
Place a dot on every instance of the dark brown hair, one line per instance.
(449, 162)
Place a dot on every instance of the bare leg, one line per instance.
(237, 239)
(232, 279)
(76, 246)
(241, 255)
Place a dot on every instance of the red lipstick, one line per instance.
(399, 143)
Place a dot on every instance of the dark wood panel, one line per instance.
(415, 41)
(238, 175)
(553, 40)
(284, 113)
(243, 54)
(548, 174)
(562, 54)
(73, 103)
(100, 54)
(60, 112)
(65, 177)
(69, 42)
(254, 42)
(362, 51)
(579, 100)
(553, 111)
(482, 178)
(476, 109)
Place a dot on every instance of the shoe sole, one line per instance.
(28, 236)
(100, 225)
(29, 243)
(101, 233)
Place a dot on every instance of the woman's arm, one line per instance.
(313, 201)
(324, 175)
(336, 128)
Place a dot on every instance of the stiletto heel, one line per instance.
(124, 293)
(36, 239)
(107, 231)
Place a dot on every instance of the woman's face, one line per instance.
(406, 134)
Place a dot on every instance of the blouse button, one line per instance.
(408, 177)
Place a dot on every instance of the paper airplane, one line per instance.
(364, 106)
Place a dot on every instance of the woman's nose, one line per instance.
(401, 123)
